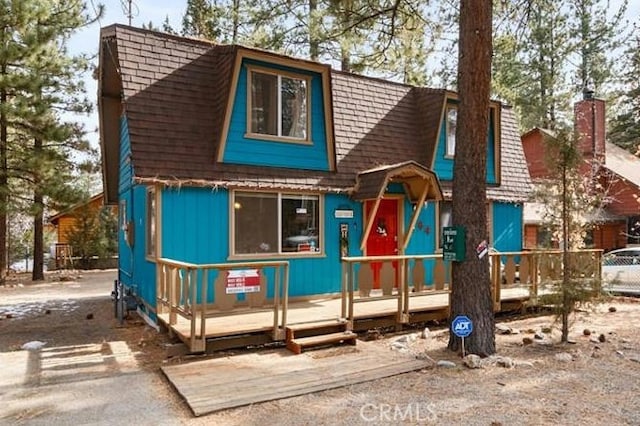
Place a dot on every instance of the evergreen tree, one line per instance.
(201, 20)
(166, 26)
(40, 83)
(548, 51)
(596, 37)
(532, 52)
(381, 36)
(624, 129)
(471, 287)
(571, 197)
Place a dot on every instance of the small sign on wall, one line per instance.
(243, 281)
(343, 214)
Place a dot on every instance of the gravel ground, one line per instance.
(95, 371)
(587, 382)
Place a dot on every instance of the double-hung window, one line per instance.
(445, 219)
(276, 223)
(452, 118)
(279, 105)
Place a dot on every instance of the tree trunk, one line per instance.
(471, 288)
(236, 21)
(4, 183)
(566, 306)
(314, 41)
(38, 216)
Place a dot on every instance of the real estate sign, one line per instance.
(243, 281)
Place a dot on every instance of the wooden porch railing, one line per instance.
(185, 290)
(525, 274)
(540, 270)
(404, 282)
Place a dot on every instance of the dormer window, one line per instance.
(279, 105)
(452, 117)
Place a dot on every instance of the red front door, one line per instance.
(383, 238)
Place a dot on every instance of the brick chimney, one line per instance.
(590, 126)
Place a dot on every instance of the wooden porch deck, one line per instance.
(323, 310)
(217, 384)
(209, 308)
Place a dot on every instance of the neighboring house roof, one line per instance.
(175, 92)
(545, 132)
(71, 210)
(622, 163)
(533, 214)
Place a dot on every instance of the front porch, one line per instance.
(413, 289)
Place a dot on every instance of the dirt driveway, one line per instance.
(94, 371)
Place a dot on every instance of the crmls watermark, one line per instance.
(411, 412)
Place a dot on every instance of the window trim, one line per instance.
(279, 254)
(278, 73)
(151, 255)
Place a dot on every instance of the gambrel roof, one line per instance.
(175, 92)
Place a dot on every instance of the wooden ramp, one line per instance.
(222, 383)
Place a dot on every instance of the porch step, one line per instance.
(296, 345)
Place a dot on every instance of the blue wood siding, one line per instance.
(507, 226)
(443, 166)
(126, 169)
(125, 195)
(195, 225)
(423, 239)
(242, 150)
(144, 272)
(135, 271)
(125, 253)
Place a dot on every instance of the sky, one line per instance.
(143, 11)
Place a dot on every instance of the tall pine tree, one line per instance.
(471, 288)
(39, 143)
(624, 129)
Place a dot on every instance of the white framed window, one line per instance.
(452, 118)
(279, 105)
(276, 223)
(445, 218)
(151, 225)
(445, 214)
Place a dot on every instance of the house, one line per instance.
(219, 154)
(66, 222)
(617, 223)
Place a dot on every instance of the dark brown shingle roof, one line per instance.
(175, 91)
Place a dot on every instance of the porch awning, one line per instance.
(415, 178)
(419, 183)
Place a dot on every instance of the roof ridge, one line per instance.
(177, 37)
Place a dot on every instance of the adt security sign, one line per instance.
(462, 326)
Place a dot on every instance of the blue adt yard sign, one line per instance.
(462, 326)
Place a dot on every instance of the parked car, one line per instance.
(621, 271)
